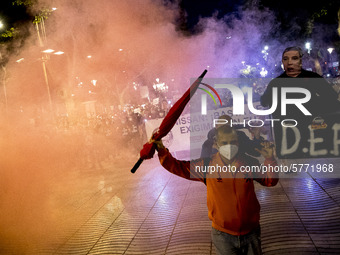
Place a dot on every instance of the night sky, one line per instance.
(288, 12)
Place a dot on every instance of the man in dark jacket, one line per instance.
(322, 104)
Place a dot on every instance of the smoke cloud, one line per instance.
(115, 43)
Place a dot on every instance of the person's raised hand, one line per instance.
(159, 144)
(267, 149)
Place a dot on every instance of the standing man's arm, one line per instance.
(268, 178)
(182, 168)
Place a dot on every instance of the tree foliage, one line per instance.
(26, 3)
(9, 33)
(43, 14)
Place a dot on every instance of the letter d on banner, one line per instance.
(284, 143)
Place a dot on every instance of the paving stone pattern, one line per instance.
(155, 212)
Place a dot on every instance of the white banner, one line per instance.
(191, 130)
(175, 140)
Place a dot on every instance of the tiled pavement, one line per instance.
(111, 211)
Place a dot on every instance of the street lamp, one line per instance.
(48, 51)
(4, 74)
(45, 57)
(330, 60)
(330, 50)
(308, 47)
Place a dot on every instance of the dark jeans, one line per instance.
(225, 244)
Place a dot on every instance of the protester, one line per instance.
(232, 203)
(296, 106)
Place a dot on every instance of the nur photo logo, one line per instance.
(204, 97)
